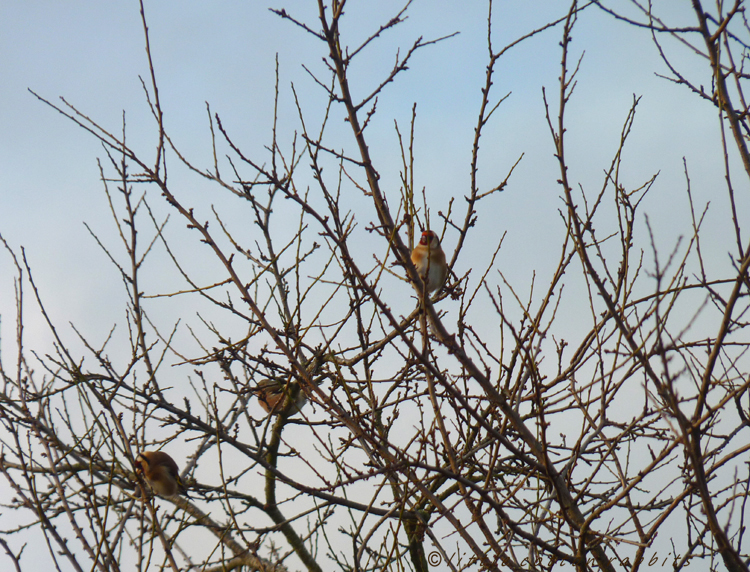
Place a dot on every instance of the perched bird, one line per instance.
(160, 472)
(274, 389)
(429, 259)
(271, 393)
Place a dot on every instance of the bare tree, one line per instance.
(490, 436)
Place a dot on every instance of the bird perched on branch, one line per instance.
(160, 472)
(273, 390)
(271, 393)
(429, 259)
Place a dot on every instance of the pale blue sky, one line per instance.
(223, 52)
(91, 53)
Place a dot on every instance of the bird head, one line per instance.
(430, 239)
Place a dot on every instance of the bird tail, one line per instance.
(182, 488)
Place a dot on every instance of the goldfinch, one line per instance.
(161, 473)
(429, 259)
(272, 392)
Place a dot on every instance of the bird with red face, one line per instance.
(429, 259)
(161, 473)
